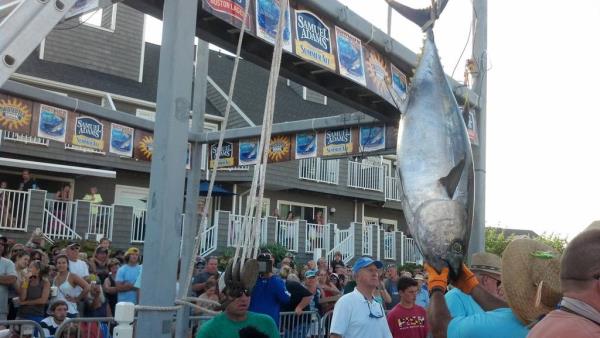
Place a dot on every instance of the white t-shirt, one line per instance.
(351, 317)
(80, 268)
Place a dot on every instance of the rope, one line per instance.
(213, 176)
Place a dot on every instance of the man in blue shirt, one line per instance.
(269, 293)
(423, 291)
(127, 276)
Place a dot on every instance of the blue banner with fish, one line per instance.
(248, 152)
(399, 84)
(52, 123)
(350, 56)
(121, 140)
(313, 39)
(267, 20)
(306, 145)
(372, 138)
(338, 142)
(89, 133)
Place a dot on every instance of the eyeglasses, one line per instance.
(371, 314)
(236, 293)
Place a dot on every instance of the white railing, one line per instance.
(393, 189)
(234, 231)
(59, 220)
(344, 243)
(138, 225)
(365, 176)
(14, 209)
(287, 234)
(317, 237)
(12, 136)
(238, 168)
(319, 170)
(367, 240)
(411, 251)
(101, 220)
(209, 237)
(389, 245)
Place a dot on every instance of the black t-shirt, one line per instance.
(297, 292)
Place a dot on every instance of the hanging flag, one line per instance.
(231, 11)
(372, 138)
(15, 115)
(121, 140)
(226, 159)
(267, 20)
(280, 148)
(350, 56)
(313, 39)
(144, 145)
(337, 142)
(306, 145)
(399, 85)
(52, 123)
(89, 133)
(248, 152)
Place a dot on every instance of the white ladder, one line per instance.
(24, 28)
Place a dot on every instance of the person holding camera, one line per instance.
(269, 293)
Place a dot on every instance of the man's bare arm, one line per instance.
(438, 315)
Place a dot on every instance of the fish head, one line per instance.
(441, 231)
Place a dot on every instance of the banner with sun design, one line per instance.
(15, 114)
(280, 148)
(378, 74)
(144, 145)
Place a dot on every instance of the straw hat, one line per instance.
(486, 262)
(530, 276)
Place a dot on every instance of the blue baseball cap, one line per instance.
(310, 274)
(363, 262)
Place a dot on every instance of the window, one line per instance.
(102, 18)
(136, 197)
(145, 114)
(301, 211)
(389, 225)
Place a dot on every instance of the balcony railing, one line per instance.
(367, 240)
(287, 234)
(317, 237)
(59, 220)
(393, 189)
(138, 225)
(389, 245)
(235, 234)
(365, 176)
(14, 209)
(100, 221)
(411, 252)
(12, 136)
(319, 170)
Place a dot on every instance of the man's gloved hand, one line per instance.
(466, 281)
(437, 280)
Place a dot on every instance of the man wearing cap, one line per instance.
(357, 314)
(579, 311)
(487, 268)
(422, 291)
(236, 321)
(127, 276)
(529, 268)
(210, 270)
(76, 265)
(391, 285)
(269, 292)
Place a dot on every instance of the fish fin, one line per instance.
(450, 182)
(424, 17)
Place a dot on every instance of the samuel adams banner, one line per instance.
(15, 114)
(313, 39)
(226, 159)
(88, 133)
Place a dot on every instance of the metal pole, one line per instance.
(165, 202)
(192, 187)
(477, 243)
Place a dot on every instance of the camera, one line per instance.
(265, 264)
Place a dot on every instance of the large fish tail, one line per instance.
(424, 17)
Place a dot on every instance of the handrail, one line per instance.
(64, 227)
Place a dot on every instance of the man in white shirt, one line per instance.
(357, 314)
(76, 265)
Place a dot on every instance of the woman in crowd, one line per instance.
(34, 292)
(210, 293)
(99, 264)
(380, 294)
(109, 285)
(21, 264)
(329, 291)
(71, 288)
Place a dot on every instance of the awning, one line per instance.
(61, 168)
(218, 190)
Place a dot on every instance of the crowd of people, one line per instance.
(531, 291)
(48, 284)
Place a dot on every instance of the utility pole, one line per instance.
(477, 242)
(167, 171)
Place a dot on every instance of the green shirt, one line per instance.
(223, 327)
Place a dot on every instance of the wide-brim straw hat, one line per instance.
(486, 262)
(530, 277)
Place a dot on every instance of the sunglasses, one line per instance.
(236, 293)
(376, 316)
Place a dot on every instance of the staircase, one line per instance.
(59, 220)
(344, 243)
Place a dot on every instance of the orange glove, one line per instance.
(437, 279)
(466, 281)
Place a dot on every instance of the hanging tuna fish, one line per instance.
(435, 163)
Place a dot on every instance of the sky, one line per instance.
(543, 162)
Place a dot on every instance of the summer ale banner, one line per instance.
(313, 39)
